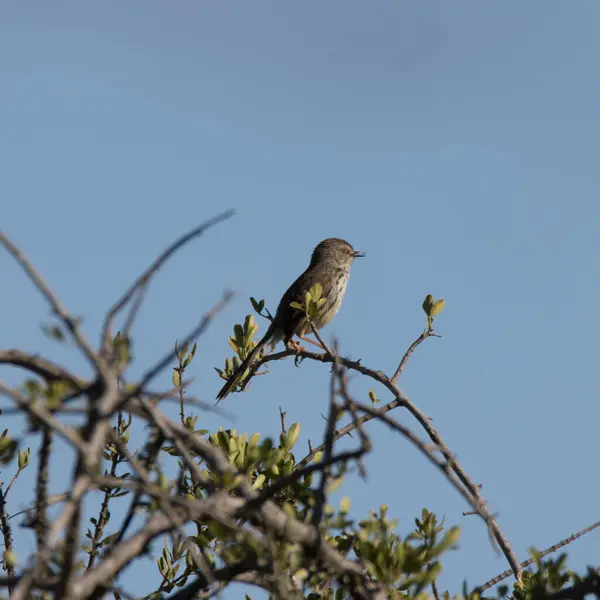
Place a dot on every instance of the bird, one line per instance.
(329, 266)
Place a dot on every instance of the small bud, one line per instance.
(23, 458)
(427, 304)
(176, 378)
(436, 308)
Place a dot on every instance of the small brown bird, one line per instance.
(330, 266)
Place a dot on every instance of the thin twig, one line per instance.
(6, 530)
(282, 418)
(103, 514)
(427, 333)
(168, 358)
(41, 488)
(44, 416)
(41, 366)
(31, 510)
(144, 278)
(57, 306)
(13, 480)
(152, 450)
(26, 583)
(488, 584)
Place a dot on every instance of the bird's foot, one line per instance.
(297, 348)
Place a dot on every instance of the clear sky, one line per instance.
(455, 142)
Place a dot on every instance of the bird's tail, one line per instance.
(239, 373)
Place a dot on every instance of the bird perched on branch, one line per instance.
(330, 267)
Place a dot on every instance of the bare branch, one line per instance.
(144, 279)
(400, 399)
(492, 582)
(42, 367)
(42, 415)
(57, 306)
(26, 583)
(427, 333)
(168, 358)
(41, 488)
(329, 437)
(6, 531)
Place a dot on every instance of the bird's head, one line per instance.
(336, 250)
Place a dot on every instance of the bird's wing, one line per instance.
(293, 320)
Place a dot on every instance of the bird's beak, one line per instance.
(358, 254)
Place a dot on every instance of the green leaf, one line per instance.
(292, 435)
(239, 334)
(345, 505)
(176, 378)
(436, 308)
(23, 458)
(259, 481)
(248, 324)
(427, 304)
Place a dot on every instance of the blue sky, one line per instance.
(455, 142)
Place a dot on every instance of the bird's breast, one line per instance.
(334, 298)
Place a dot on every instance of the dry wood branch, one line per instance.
(168, 358)
(329, 438)
(41, 367)
(427, 333)
(492, 582)
(41, 503)
(7, 536)
(41, 559)
(55, 303)
(400, 399)
(143, 280)
(42, 415)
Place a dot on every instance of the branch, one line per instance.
(225, 574)
(41, 497)
(41, 367)
(144, 279)
(427, 333)
(6, 530)
(57, 306)
(488, 584)
(168, 358)
(426, 450)
(400, 399)
(329, 437)
(42, 415)
(27, 581)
